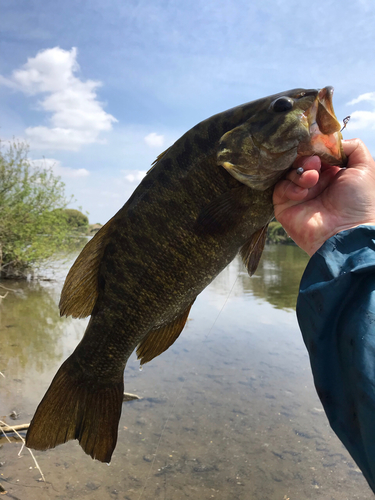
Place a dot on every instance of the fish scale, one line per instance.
(206, 198)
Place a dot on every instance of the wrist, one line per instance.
(319, 242)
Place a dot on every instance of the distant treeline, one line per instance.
(80, 222)
(277, 234)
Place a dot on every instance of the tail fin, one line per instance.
(78, 407)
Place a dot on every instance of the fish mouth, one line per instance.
(324, 131)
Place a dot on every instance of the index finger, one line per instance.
(311, 166)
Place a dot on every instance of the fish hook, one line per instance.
(345, 122)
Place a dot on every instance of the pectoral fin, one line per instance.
(223, 212)
(252, 250)
(80, 289)
(160, 339)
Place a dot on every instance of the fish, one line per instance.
(205, 199)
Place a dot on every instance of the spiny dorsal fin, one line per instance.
(159, 340)
(158, 158)
(252, 250)
(80, 289)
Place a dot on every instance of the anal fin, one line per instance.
(160, 339)
(252, 250)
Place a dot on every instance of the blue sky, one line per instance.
(98, 89)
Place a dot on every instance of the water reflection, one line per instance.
(276, 279)
(279, 275)
(34, 341)
(28, 319)
(33, 336)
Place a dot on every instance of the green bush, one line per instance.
(77, 220)
(33, 224)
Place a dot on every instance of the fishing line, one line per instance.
(180, 391)
(160, 438)
(185, 378)
(222, 308)
(239, 273)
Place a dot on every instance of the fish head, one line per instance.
(279, 129)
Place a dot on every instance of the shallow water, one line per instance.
(228, 412)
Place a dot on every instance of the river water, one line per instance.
(228, 412)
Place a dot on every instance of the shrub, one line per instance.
(33, 224)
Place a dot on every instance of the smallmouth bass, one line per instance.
(206, 198)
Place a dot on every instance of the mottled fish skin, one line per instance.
(158, 260)
(182, 226)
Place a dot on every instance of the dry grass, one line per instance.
(13, 429)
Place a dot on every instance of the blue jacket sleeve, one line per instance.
(336, 314)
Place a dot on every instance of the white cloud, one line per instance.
(77, 117)
(154, 140)
(363, 119)
(369, 96)
(58, 138)
(58, 169)
(135, 175)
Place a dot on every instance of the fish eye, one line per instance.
(282, 104)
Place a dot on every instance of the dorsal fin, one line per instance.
(158, 158)
(80, 289)
(252, 250)
(158, 340)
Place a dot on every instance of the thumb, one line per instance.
(357, 153)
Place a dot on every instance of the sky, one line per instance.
(99, 88)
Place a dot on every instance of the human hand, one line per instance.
(325, 200)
